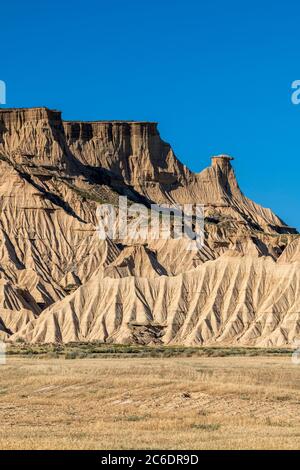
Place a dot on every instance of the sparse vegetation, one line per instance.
(70, 288)
(88, 195)
(206, 427)
(97, 349)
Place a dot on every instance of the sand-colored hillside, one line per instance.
(232, 300)
(60, 282)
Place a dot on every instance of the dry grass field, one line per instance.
(230, 402)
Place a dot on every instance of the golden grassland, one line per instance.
(227, 402)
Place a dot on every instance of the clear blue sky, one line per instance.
(216, 75)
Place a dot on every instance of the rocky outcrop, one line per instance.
(62, 283)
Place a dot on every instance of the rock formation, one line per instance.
(60, 282)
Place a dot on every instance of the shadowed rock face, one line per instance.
(132, 151)
(60, 282)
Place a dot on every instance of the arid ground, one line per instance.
(168, 403)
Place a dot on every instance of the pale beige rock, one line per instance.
(232, 300)
(60, 282)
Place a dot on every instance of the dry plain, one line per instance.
(230, 402)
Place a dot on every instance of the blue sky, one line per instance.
(216, 76)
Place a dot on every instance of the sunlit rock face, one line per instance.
(60, 282)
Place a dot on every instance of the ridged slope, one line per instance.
(69, 285)
(233, 300)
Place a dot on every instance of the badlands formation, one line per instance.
(60, 282)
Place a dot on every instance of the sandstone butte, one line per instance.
(59, 282)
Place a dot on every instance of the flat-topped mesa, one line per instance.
(86, 130)
(33, 132)
(18, 116)
(12, 119)
(133, 150)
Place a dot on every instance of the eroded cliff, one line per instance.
(60, 282)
